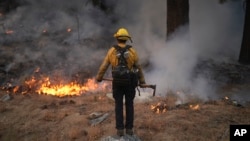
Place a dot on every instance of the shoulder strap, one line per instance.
(121, 50)
(128, 47)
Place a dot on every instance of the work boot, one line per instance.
(120, 132)
(129, 132)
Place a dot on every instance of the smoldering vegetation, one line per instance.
(54, 37)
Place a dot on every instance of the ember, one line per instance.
(159, 108)
(194, 107)
(16, 89)
(69, 30)
(9, 31)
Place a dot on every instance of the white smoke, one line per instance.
(215, 33)
(217, 29)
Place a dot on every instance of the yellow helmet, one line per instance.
(122, 34)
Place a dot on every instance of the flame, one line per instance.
(16, 89)
(226, 98)
(44, 31)
(194, 107)
(46, 86)
(159, 108)
(9, 32)
(70, 89)
(30, 83)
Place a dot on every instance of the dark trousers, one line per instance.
(118, 93)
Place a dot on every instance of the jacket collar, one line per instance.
(121, 45)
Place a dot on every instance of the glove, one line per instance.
(141, 84)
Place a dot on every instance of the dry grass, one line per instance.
(47, 118)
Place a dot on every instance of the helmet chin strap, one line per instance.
(131, 40)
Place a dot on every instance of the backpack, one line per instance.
(121, 73)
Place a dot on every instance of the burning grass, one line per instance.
(56, 87)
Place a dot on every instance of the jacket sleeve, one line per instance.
(140, 74)
(103, 68)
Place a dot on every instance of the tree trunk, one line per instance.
(177, 15)
(8, 5)
(244, 57)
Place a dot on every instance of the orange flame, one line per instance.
(31, 82)
(159, 108)
(16, 89)
(45, 86)
(70, 89)
(194, 107)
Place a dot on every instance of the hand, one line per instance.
(142, 85)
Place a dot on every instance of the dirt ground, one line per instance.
(34, 117)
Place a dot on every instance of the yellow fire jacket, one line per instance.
(111, 58)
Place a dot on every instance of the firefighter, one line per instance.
(123, 89)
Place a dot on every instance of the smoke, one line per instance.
(215, 33)
(217, 28)
(56, 35)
